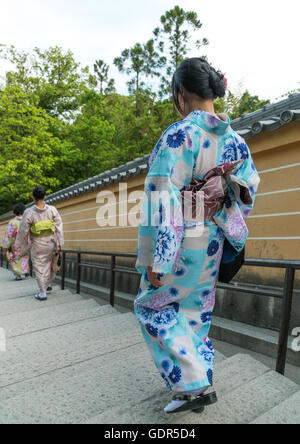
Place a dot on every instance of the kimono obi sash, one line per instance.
(43, 228)
(212, 192)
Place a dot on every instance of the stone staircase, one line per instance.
(71, 360)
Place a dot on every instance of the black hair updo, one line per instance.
(19, 209)
(39, 193)
(197, 76)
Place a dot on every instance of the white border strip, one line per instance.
(296, 213)
(102, 240)
(274, 238)
(101, 229)
(278, 192)
(279, 168)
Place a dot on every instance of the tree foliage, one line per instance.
(61, 124)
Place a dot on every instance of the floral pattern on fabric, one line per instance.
(19, 262)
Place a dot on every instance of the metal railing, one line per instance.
(286, 295)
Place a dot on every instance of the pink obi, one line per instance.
(205, 198)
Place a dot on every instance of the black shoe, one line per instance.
(49, 289)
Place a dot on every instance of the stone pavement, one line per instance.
(71, 360)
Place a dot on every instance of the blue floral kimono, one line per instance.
(176, 318)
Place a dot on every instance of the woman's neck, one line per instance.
(207, 107)
(40, 204)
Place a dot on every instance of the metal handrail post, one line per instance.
(78, 273)
(63, 270)
(286, 313)
(112, 281)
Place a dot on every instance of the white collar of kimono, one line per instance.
(217, 124)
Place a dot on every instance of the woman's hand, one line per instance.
(153, 278)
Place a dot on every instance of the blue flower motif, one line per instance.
(180, 272)
(163, 333)
(151, 187)
(207, 144)
(214, 274)
(152, 330)
(213, 248)
(169, 387)
(175, 375)
(173, 292)
(166, 246)
(183, 351)
(206, 293)
(210, 377)
(176, 140)
(206, 317)
(193, 323)
(244, 152)
(209, 345)
(155, 152)
(166, 365)
(230, 153)
(207, 356)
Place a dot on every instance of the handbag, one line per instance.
(231, 263)
(56, 263)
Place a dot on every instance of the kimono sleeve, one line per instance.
(243, 186)
(162, 224)
(23, 238)
(59, 233)
(10, 235)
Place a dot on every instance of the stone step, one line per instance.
(229, 374)
(65, 346)
(61, 337)
(28, 303)
(288, 412)
(75, 393)
(18, 291)
(49, 317)
(257, 339)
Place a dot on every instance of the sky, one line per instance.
(255, 43)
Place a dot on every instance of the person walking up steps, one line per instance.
(18, 262)
(41, 232)
(179, 256)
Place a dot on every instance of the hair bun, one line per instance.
(217, 82)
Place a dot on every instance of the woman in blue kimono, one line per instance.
(180, 249)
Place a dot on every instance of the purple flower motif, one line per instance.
(175, 375)
(176, 140)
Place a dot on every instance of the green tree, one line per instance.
(52, 75)
(174, 37)
(106, 85)
(140, 62)
(27, 148)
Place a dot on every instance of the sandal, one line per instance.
(195, 403)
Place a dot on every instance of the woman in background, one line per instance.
(41, 231)
(19, 263)
(179, 257)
